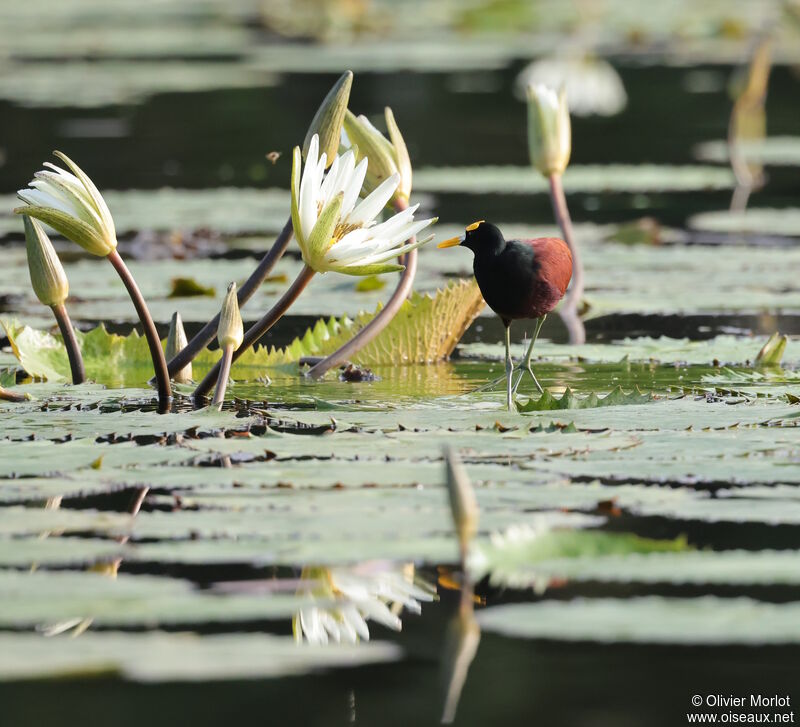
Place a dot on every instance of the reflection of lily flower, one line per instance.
(354, 595)
(593, 85)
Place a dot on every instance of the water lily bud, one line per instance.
(327, 122)
(463, 504)
(386, 157)
(70, 203)
(771, 353)
(176, 342)
(549, 131)
(230, 331)
(48, 278)
(401, 155)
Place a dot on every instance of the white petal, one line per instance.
(395, 223)
(348, 165)
(82, 207)
(356, 621)
(377, 610)
(369, 208)
(39, 198)
(330, 180)
(307, 203)
(311, 626)
(353, 190)
(353, 240)
(313, 152)
(406, 232)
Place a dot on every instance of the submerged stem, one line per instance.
(224, 373)
(206, 334)
(150, 333)
(369, 332)
(70, 342)
(569, 309)
(259, 328)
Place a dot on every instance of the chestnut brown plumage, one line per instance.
(518, 279)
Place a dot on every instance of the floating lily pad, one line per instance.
(754, 220)
(773, 151)
(735, 567)
(39, 598)
(605, 178)
(225, 210)
(162, 657)
(107, 83)
(706, 621)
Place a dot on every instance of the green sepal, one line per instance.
(73, 229)
(320, 238)
(296, 166)
(374, 269)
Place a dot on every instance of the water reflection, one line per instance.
(461, 646)
(352, 595)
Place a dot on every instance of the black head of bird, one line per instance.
(517, 278)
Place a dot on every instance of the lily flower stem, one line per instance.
(259, 328)
(206, 334)
(224, 373)
(569, 309)
(369, 332)
(70, 342)
(150, 333)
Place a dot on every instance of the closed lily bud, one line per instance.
(70, 203)
(549, 131)
(386, 157)
(463, 504)
(327, 122)
(771, 354)
(230, 331)
(48, 278)
(176, 342)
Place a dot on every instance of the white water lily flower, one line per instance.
(337, 231)
(376, 591)
(70, 203)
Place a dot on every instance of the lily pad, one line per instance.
(704, 621)
(163, 657)
(776, 151)
(601, 178)
(754, 220)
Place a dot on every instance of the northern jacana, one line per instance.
(518, 279)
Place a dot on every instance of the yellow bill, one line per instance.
(451, 241)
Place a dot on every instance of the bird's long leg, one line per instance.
(509, 370)
(526, 364)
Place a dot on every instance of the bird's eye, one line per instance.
(475, 225)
